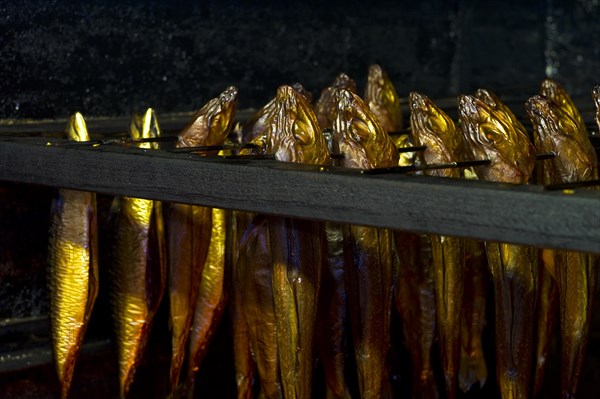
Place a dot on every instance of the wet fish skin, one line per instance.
(326, 104)
(368, 251)
(491, 135)
(382, 98)
(72, 268)
(432, 128)
(553, 91)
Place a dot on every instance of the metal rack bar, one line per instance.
(518, 214)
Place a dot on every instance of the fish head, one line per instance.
(557, 132)
(433, 128)
(295, 135)
(359, 135)
(493, 101)
(77, 128)
(489, 134)
(145, 127)
(383, 99)
(302, 91)
(212, 123)
(325, 107)
(553, 91)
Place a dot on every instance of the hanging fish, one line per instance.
(491, 135)
(325, 107)
(138, 270)
(432, 128)
(72, 268)
(192, 247)
(576, 274)
(368, 253)
(280, 261)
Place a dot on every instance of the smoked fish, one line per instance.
(280, 262)
(490, 134)
(368, 251)
(325, 106)
(72, 268)
(384, 102)
(432, 128)
(557, 130)
(190, 231)
(138, 269)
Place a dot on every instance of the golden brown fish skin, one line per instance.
(72, 268)
(383, 100)
(576, 273)
(245, 368)
(212, 295)
(260, 122)
(473, 368)
(190, 228)
(215, 116)
(368, 253)
(332, 313)
(325, 107)
(432, 128)
(554, 92)
(415, 303)
(514, 270)
(596, 98)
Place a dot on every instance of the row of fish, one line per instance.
(299, 290)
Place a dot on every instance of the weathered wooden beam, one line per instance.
(518, 214)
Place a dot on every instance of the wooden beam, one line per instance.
(518, 214)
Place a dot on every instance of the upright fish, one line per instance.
(432, 128)
(138, 269)
(384, 102)
(72, 268)
(283, 256)
(576, 275)
(368, 250)
(491, 135)
(325, 107)
(211, 294)
(190, 227)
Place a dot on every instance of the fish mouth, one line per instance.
(538, 107)
(549, 88)
(229, 95)
(485, 96)
(375, 73)
(418, 102)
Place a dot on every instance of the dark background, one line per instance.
(114, 57)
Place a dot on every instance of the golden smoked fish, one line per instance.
(280, 262)
(138, 269)
(432, 128)
(72, 268)
(368, 254)
(490, 134)
(576, 275)
(190, 228)
(325, 107)
(384, 102)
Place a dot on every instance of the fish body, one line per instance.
(280, 264)
(432, 128)
(190, 236)
(72, 269)
(489, 134)
(557, 130)
(368, 250)
(596, 98)
(139, 268)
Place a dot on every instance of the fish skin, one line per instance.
(212, 295)
(473, 368)
(325, 107)
(281, 287)
(332, 314)
(432, 128)
(368, 250)
(576, 273)
(138, 271)
(72, 269)
(415, 303)
(491, 135)
(596, 98)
